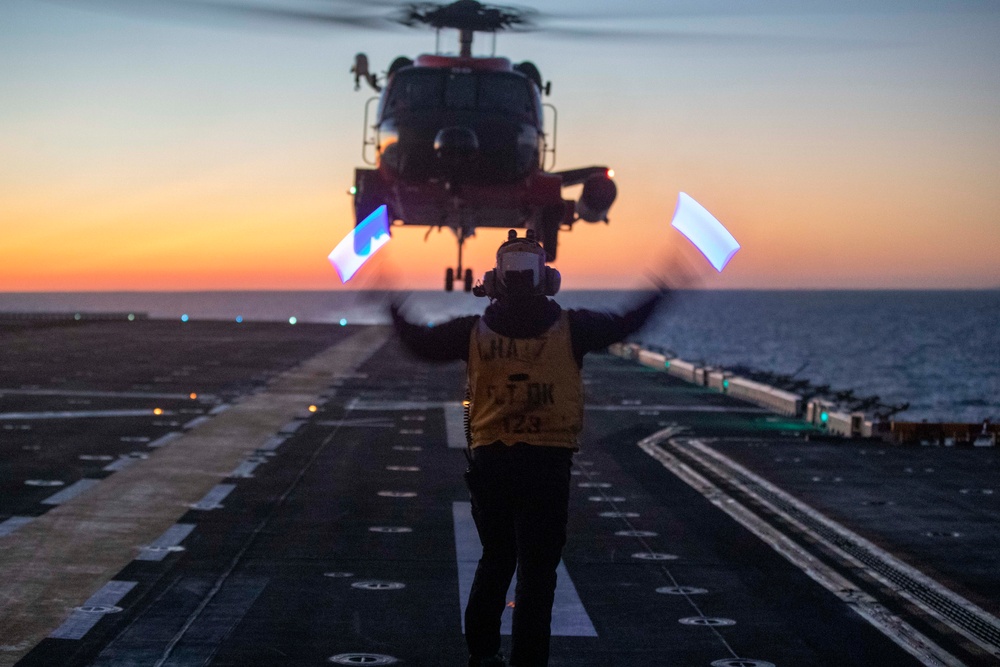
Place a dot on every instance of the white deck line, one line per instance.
(8, 526)
(719, 462)
(81, 621)
(65, 554)
(71, 491)
(905, 635)
(164, 439)
(213, 498)
(196, 422)
(569, 618)
(173, 536)
(102, 394)
(78, 414)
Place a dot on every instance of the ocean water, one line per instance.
(939, 351)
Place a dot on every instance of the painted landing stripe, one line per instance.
(101, 394)
(197, 421)
(80, 622)
(291, 427)
(13, 523)
(162, 440)
(454, 420)
(79, 414)
(121, 463)
(569, 618)
(244, 470)
(160, 547)
(214, 497)
(71, 491)
(273, 443)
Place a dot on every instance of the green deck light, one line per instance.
(353, 190)
(184, 317)
(666, 364)
(824, 417)
(343, 321)
(131, 317)
(292, 320)
(725, 384)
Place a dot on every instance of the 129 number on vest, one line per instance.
(522, 424)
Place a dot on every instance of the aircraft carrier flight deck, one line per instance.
(214, 493)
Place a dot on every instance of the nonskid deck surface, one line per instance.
(342, 536)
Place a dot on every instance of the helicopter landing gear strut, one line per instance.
(450, 274)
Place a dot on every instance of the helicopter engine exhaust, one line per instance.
(599, 193)
(456, 148)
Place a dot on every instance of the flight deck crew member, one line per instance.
(524, 357)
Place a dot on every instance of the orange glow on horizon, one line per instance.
(825, 229)
(179, 158)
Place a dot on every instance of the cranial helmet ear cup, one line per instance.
(553, 281)
(490, 284)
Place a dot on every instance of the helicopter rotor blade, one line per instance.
(392, 15)
(756, 42)
(193, 9)
(286, 14)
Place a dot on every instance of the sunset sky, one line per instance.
(848, 144)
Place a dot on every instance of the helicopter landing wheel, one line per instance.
(551, 217)
(449, 280)
(468, 280)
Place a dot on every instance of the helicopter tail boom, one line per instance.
(578, 176)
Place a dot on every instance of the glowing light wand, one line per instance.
(704, 231)
(361, 243)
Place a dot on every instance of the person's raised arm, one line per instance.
(448, 341)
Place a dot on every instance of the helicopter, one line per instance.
(459, 142)
(456, 141)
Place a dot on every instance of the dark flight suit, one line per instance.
(526, 411)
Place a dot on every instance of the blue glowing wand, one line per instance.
(361, 243)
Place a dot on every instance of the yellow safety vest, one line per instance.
(525, 389)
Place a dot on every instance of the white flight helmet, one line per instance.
(520, 270)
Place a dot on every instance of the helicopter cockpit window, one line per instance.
(506, 94)
(461, 91)
(498, 92)
(416, 90)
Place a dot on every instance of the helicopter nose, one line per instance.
(456, 145)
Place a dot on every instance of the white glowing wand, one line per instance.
(361, 243)
(704, 231)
